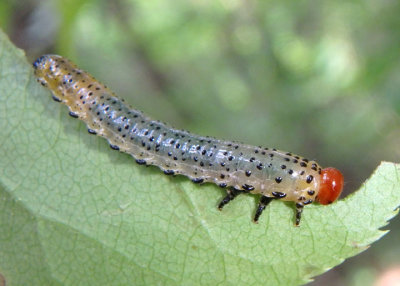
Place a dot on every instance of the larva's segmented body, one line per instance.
(242, 168)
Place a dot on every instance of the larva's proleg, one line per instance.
(238, 167)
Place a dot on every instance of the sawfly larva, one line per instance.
(237, 167)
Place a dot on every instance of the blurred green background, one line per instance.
(318, 78)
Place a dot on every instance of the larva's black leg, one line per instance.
(231, 194)
(91, 131)
(55, 98)
(73, 114)
(299, 210)
(264, 201)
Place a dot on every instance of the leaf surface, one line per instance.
(73, 211)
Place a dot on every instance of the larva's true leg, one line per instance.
(264, 201)
(299, 210)
(231, 194)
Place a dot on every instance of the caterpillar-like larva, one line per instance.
(237, 167)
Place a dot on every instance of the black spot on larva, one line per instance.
(304, 160)
(203, 152)
(114, 147)
(290, 171)
(274, 149)
(198, 180)
(252, 159)
(278, 179)
(141, 161)
(73, 114)
(225, 153)
(289, 154)
(222, 176)
(175, 158)
(283, 167)
(309, 179)
(302, 164)
(271, 155)
(119, 129)
(247, 187)
(230, 158)
(279, 195)
(223, 164)
(169, 172)
(195, 159)
(307, 202)
(91, 131)
(256, 151)
(301, 198)
(227, 169)
(248, 173)
(295, 161)
(311, 192)
(222, 185)
(314, 167)
(170, 154)
(151, 139)
(259, 166)
(201, 164)
(177, 146)
(302, 173)
(287, 159)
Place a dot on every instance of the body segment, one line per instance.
(238, 167)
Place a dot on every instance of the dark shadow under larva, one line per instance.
(239, 168)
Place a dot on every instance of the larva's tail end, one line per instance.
(39, 62)
(44, 62)
(331, 186)
(47, 70)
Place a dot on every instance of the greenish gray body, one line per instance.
(257, 170)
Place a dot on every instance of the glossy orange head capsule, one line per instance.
(330, 187)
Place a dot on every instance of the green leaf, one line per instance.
(73, 211)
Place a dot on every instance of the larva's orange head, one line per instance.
(331, 186)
